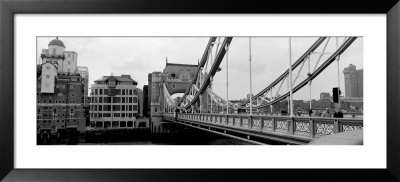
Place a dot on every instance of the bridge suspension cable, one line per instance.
(311, 76)
(313, 47)
(290, 78)
(251, 91)
(216, 61)
(202, 81)
(227, 77)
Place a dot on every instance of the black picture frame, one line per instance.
(9, 8)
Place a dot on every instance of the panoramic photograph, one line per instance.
(199, 90)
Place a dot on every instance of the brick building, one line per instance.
(84, 72)
(60, 90)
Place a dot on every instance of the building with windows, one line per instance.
(324, 95)
(146, 108)
(62, 108)
(140, 101)
(60, 90)
(353, 81)
(176, 78)
(84, 72)
(66, 61)
(114, 102)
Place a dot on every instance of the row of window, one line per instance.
(107, 124)
(44, 116)
(58, 101)
(173, 85)
(45, 121)
(72, 79)
(113, 99)
(59, 94)
(60, 86)
(117, 91)
(108, 115)
(64, 85)
(114, 108)
(54, 52)
(71, 108)
(58, 121)
(113, 83)
(54, 117)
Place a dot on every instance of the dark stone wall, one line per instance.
(67, 97)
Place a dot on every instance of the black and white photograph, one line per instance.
(178, 90)
(199, 91)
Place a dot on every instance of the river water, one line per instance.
(187, 136)
(168, 134)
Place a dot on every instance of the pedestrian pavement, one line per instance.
(343, 138)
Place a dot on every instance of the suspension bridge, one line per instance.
(201, 107)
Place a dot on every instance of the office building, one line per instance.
(353, 80)
(114, 102)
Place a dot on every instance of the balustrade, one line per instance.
(301, 126)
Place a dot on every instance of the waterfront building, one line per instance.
(114, 102)
(353, 81)
(84, 72)
(177, 78)
(59, 90)
(154, 92)
(66, 61)
(324, 95)
(140, 101)
(146, 108)
(353, 104)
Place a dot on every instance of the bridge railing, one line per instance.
(356, 115)
(301, 126)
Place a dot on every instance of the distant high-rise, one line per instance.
(353, 81)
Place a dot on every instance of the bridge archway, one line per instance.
(176, 78)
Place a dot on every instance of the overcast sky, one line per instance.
(138, 56)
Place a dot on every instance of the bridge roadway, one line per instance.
(260, 128)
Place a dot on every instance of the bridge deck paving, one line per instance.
(344, 138)
(282, 137)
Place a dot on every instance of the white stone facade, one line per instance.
(49, 73)
(114, 106)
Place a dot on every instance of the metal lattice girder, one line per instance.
(202, 62)
(213, 70)
(219, 100)
(286, 73)
(194, 86)
(167, 97)
(313, 75)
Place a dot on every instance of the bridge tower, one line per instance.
(177, 79)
